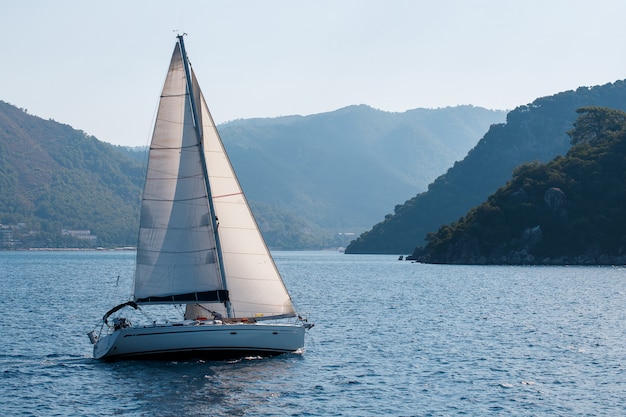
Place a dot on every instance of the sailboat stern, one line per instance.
(103, 347)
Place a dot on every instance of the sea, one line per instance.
(391, 338)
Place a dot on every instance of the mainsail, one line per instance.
(198, 240)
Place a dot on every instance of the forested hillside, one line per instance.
(571, 210)
(340, 171)
(53, 177)
(309, 179)
(533, 132)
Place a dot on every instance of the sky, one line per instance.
(99, 66)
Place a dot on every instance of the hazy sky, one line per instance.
(99, 65)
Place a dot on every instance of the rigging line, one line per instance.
(226, 195)
(168, 177)
(180, 200)
(174, 148)
(182, 253)
(214, 313)
(198, 228)
(171, 175)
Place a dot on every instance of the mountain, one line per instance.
(533, 132)
(339, 171)
(53, 178)
(310, 179)
(571, 210)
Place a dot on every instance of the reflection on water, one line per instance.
(195, 387)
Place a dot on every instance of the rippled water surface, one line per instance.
(391, 339)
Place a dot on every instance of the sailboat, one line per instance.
(199, 248)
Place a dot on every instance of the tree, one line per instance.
(595, 123)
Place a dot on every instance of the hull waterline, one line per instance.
(211, 341)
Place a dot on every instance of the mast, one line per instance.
(196, 121)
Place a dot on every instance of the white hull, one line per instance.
(213, 341)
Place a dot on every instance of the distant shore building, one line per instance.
(6, 236)
(79, 234)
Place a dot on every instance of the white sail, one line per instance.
(178, 256)
(254, 283)
(176, 252)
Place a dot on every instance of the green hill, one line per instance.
(53, 177)
(571, 210)
(534, 132)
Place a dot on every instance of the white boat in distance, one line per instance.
(199, 247)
